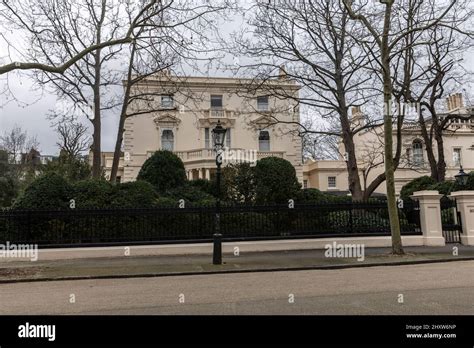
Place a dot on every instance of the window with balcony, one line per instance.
(417, 153)
(457, 157)
(167, 140)
(264, 141)
(262, 103)
(167, 101)
(332, 182)
(216, 102)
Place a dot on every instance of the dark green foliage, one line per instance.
(204, 185)
(315, 196)
(445, 187)
(239, 183)
(190, 194)
(275, 181)
(90, 194)
(418, 184)
(134, 194)
(8, 185)
(49, 191)
(238, 224)
(72, 169)
(8, 191)
(164, 170)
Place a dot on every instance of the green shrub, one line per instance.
(445, 187)
(164, 170)
(190, 194)
(49, 191)
(8, 191)
(239, 183)
(89, 194)
(204, 185)
(418, 184)
(137, 194)
(275, 181)
(315, 196)
(71, 169)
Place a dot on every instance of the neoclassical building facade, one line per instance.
(458, 150)
(184, 110)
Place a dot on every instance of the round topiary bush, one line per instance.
(275, 181)
(49, 191)
(164, 170)
(418, 184)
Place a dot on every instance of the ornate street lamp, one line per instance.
(461, 177)
(218, 137)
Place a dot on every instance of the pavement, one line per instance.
(425, 289)
(157, 266)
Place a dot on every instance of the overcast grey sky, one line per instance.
(31, 108)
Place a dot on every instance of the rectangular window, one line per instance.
(264, 141)
(331, 182)
(457, 157)
(216, 101)
(167, 101)
(167, 140)
(207, 138)
(305, 184)
(262, 103)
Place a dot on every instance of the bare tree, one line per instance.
(73, 138)
(310, 43)
(23, 15)
(71, 27)
(178, 36)
(387, 34)
(436, 71)
(17, 142)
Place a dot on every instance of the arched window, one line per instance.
(167, 140)
(264, 141)
(417, 152)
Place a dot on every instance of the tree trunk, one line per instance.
(397, 247)
(96, 146)
(441, 167)
(97, 122)
(351, 164)
(123, 117)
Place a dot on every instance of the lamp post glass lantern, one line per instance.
(462, 177)
(218, 137)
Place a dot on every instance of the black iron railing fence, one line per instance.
(451, 220)
(196, 224)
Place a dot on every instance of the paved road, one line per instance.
(443, 288)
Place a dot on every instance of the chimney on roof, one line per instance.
(455, 101)
(357, 115)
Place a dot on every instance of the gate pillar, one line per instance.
(465, 205)
(430, 217)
